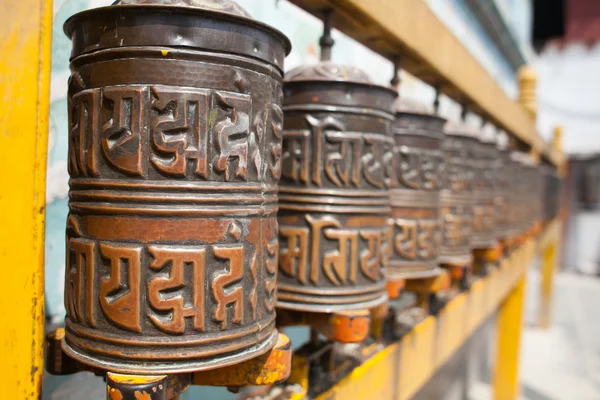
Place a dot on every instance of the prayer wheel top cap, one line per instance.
(402, 105)
(331, 84)
(227, 6)
(461, 129)
(523, 158)
(176, 26)
(327, 71)
(416, 118)
(488, 136)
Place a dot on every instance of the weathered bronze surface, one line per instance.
(503, 193)
(484, 218)
(456, 198)
(418, 177)
(174, 157)
(334, 202)
(523, 203)
(552, 186)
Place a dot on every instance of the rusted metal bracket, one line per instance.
(268, 369)
(428, 290)
(342, 327)
(484, 259)
(136, 387)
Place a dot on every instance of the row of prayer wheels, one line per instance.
(207, 191)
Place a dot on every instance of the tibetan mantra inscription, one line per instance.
(418, 171)
(334, 202)
(172, 246)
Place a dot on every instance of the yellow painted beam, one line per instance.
(429, 50)
(508, 325)
(403, 368)
(25, 48)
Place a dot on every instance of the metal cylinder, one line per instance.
(484, 182)
(174, 157)
(502, 194)
(456, 198)
(523, 204)
(334, 202)
(418, 165)
(551, 192)
(512, 177)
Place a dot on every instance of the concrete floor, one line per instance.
(563, 362)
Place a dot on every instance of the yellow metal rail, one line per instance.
(428, 50)
(403, 368)
(25, 42)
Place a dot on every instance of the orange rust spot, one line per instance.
(268, 369)
(114, 394)
(315, 99)
(456, 271)
(394, 288)
(142, 396)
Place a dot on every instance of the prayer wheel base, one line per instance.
(332, 308)
(269, 368)
(486, 259)
(173, 366)
(461, 275)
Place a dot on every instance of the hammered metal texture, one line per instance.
(456, 198)
(334, 202)
(174, 158)
(524, 211)
(418, 166)
(484, 217)
(551, 192)
(503, 194)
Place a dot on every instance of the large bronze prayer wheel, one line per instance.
(334, 202)
(415, 196)
(484, 181)
(456, 198)
(174, 156)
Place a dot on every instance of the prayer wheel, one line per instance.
(334, 202)
(525, 191)
(502, 193)
(484, 218)
(551, 192)
(174, 156)
(418, 165)
(456, 198)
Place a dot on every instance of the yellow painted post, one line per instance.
(25, 48)
(508, 336)
(547, 277)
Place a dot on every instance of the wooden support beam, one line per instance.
(433, 54)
